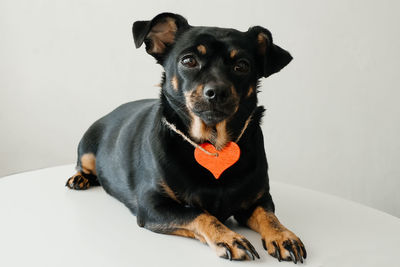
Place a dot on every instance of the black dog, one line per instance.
(142, 153)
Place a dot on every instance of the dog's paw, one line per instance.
(78, 182)
(285, 246)
(233, 246)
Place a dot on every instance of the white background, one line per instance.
(332, 121)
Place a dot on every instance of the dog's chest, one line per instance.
(221, 203)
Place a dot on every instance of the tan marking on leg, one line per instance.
(174, 82)
(271, 230)
(183, 232)
(78, 179)
(265, 222)
(250, 92)
(88, 163)
(189, 234)
(216, 233)
(202, 49)
(168, 191)
(233, 53)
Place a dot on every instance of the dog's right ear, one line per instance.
(159, 33)
(273, 58)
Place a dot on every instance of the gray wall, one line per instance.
(332, 120)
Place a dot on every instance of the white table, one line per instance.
(42, 223)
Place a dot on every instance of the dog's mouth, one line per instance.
(212, 117)
(212, 114)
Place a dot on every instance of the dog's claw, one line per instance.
(277, 251)
(264, 245)
(288, 246)
(292, 256)
(296, 244)
(251, 256)
(227, 250)
(251, 247)
(303, 249)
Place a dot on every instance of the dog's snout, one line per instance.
(216, 93)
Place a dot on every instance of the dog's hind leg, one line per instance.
(86, 175)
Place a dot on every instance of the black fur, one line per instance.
(135, 152)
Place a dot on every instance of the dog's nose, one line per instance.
(214, 93)
(209, 93)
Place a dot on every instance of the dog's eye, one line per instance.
(242, 66)
(189, 61)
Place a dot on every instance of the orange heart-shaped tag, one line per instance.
(217, 164)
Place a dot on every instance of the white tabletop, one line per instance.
(43, 223)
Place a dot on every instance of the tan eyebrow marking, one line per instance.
(233, 53)
(202, 49)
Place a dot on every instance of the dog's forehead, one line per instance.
(199, 35)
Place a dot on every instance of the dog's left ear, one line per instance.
(273, 58)
(159, 33)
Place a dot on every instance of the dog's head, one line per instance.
(212, 71)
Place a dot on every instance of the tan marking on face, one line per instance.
(161, 34)
(202, 49)
(234, 92)
(250, 92)
(199, 131)
(262, 39)
(223, 136)
(174, 82)
(168, 191)
(199, 89)
(235, 98)
(233, 53)
(271, 230)
(188, 101)
(88, 163)
(193, 96)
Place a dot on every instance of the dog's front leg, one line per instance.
(280, 242)
(164, 215)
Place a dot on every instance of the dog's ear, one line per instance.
(273, 58)
(159, 33)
